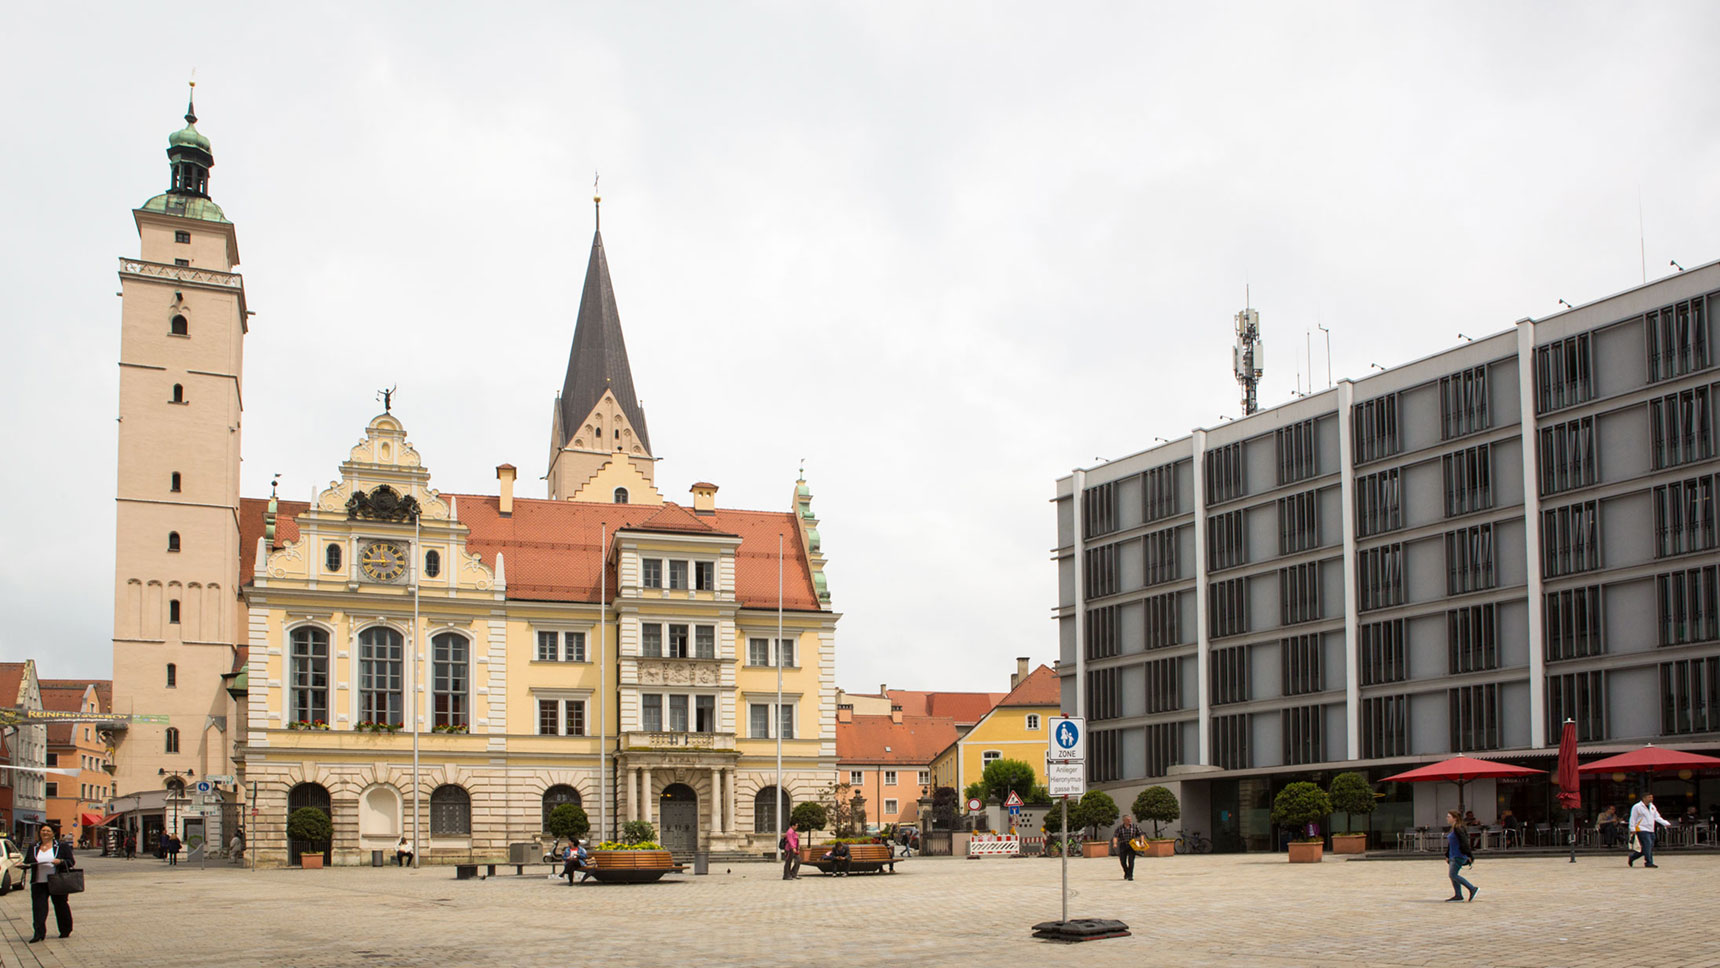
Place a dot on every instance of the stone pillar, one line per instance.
(629, 809)
(645, 794)
(734, 824)
(716, 800)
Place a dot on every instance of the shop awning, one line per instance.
(96, 819)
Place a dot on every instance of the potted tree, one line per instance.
(807, 817)
(568, 822)
(310, 830)
(1300, 806)
(1095, 810)
(1158, 805)
(1351, 796)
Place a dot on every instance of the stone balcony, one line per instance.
(679, 742)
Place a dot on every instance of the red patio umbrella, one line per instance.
(1570, 787)
(1651, 759)
(1460, 770)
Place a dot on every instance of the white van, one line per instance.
(11, 867)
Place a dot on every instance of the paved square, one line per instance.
(1230, 910)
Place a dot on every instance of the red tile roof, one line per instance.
(62, 695)
(552, 547)
(965, 708)
(11, 681)
(1040, 688)
(916, 740)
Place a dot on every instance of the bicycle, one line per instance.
(1193, 843)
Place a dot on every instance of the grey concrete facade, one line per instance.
(1453, 555)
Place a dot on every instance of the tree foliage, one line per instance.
(1096, 809)
(1351, 795)
(310, 824)
(1157, 805)
(568, 820)
(1003, 777)
(809, 816)
(946, 806)
(1300, 804)
(974, 791)
(637, 832)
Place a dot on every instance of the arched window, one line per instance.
(173, 611)
(555, 796)
(313, 795)
(172, 742)
(309, 682)
(621, 495)
(172, 541)
(450, 812)
(379, 675)
(432, 564)
(172, 675)
(331, 557)
(449, 674)
(175, 786)
(180, 326)
(173, 483)
(764, 811)
(178, 393)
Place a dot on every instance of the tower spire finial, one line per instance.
(596, 200)
(191, 99)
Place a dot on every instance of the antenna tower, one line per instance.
(1249, 357)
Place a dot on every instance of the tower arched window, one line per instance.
(173, 611)
(621, 495)
(172, 675)
(331, 557)
(178, 393)
(173, 483)
(179, 325)
(172, 541)
(171, 741)
(432, 564)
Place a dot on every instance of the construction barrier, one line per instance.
(986, 846)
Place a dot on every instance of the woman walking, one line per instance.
(47, 857)
(1456, 855)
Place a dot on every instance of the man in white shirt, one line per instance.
(1645, 822)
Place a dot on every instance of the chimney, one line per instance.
(704, 498)
(896, 714)
(1020, 672)
(506, 473)
(884, 690)
(845, 713)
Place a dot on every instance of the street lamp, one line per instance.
(176, 792)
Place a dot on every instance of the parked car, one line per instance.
(11, 867)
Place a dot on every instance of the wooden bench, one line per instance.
(862, 859)
(633, 866)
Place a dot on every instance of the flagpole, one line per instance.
(781, 797)
(603, 682)
(412, 691)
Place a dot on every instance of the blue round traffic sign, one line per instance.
(1068, 735)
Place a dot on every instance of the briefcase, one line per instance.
(66, 882)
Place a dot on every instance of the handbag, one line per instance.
(66, 882)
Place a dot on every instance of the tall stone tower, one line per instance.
(176, 614)
(599, 448)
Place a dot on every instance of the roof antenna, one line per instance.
(597, 200)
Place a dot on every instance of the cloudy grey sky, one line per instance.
(944, 252)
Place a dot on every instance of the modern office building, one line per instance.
(1451, 556)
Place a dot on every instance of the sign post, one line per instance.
(1066, 771)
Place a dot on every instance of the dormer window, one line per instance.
(621, 495)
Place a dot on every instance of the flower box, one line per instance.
(1096, 848)
(1160, 848)
(310, 862)
(1349, 843)
(1306, 851)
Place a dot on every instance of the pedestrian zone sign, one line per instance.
(1068, 739)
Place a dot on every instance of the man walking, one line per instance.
(790, 844)
(1645, 822)
(1123, 841)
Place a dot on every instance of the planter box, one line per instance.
(1306, 853)
(1160, 848)
(311, 862)
(1096, 848)
(1349, 843)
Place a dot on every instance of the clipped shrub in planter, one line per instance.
(1299, 805)
(1351, 796)
(568, 822)
(311, 830)
(1158, 805)
(807, 817)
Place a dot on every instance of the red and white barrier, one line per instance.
(994, 847)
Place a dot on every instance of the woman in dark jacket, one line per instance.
(1456, 853)
(47, 857)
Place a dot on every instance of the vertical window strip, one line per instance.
(1689, 610)
(1685, 516)
(1690, 695)
(1162, 620)
(1099, 508)
(1164, 685)
(1301, 661)
(1159, 492)
(1677, 340)
(1160, 555)
(1382, 658)
(1379, 503)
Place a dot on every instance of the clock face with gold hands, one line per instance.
(383, 561)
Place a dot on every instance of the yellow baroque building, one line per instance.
(449, 667)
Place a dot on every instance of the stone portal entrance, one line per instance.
(678, 814)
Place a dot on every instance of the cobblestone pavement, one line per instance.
(1230, 910)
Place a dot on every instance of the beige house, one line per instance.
(449, 667)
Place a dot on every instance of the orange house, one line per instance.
(887, 760)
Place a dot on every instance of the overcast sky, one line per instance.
(943, 252)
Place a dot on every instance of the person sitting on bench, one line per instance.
(838, 856)
(403, 854)
(577, 860)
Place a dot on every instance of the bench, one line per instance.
(466, 872)
(862, 859)
(633, 866)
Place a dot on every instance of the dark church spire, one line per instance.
(598, 361)
(189, 156)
